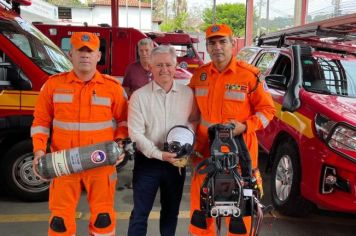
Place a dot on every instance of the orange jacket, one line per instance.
(235, 93)
(79, 113)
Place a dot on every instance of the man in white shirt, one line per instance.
(153, 110)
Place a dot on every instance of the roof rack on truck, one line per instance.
(341, 30)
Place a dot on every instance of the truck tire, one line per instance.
(18, 176)
(285, 182)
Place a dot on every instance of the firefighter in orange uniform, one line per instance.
(80, 108)
(227, 91)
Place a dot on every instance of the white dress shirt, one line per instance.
(153, 112)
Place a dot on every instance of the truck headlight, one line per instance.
(323, 125)
(341, 137)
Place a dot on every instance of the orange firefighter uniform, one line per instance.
(233, 94)
(78, 113)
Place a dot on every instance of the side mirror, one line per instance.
(276, 81)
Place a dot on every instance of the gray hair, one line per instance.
(145, 41)
(165, 49)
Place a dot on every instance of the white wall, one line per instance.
(39, 11)
(131, 18)
(102, 14)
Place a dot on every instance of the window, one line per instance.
(247, 54)
(38, 48)
(64, 13)
(265, 61)
(66, 46)
(11, 76)
(329, 76)
(3, 70)
(282, 66)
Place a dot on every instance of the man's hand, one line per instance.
(239, 127)
(122, 156)
(169, 157)
(37, 155)
(181, 162)
(177, 162)
(120, 159)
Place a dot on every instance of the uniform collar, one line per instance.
(230, 67)
(72, 77)
(156, 87)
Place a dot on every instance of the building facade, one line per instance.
(132, 13)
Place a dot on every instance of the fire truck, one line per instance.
(118, 46)
(27, 58)
(310, 71)
(187, 55)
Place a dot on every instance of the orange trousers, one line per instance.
(196, 183)
(65, 192)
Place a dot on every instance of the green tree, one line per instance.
(230, 14)
(178, 23)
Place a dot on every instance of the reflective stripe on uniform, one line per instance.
(263, 119)
(234, 95)
(82, 126)
(112, 233)
(199, 92)
(39, 130)
(57, 97)
(102, 101)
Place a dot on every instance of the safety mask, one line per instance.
(180, 140)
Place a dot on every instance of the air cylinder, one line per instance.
(74, 160)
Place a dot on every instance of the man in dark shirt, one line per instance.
(138, 74)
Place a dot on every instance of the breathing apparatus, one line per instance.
(228, 188)
(78, 159)
(180, 140)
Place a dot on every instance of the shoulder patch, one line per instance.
(114, 79)
(248, 67)
(203, 76)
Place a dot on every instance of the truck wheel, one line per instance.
(285, 182)
(18, 176)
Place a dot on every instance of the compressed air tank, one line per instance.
(74, 160)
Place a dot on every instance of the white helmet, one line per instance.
(180, 139)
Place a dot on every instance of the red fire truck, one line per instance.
(27, 58)
(311, 74)
(187, 55)
(119, 47)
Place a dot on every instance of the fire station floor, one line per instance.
(30, 219)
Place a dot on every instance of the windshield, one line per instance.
(35, 45)
(336, 76)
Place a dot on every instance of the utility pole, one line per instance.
(214, 12)
(166, 10)
(249, 23)
(259, 18)
(267, 17)
(336, 4)
(139, 10)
